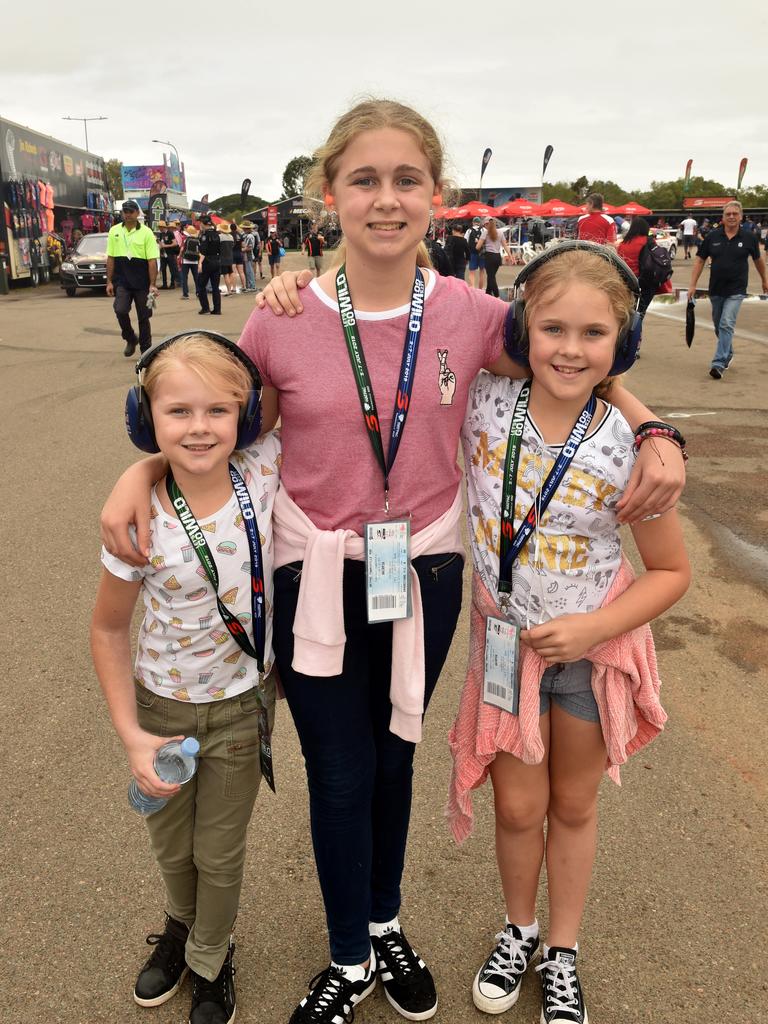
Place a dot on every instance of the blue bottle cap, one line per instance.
(190, 747)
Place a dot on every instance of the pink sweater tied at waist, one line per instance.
(625, 683)
(318, 629)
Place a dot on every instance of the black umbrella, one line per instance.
(690, 322)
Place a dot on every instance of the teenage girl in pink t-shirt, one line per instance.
(357, 689)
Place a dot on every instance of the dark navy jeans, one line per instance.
(359, 773)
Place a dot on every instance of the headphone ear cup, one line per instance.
(138, 420)
(628, 347)
(515, 337)
(249, 427)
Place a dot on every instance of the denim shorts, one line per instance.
(569, 685)
(477, 261)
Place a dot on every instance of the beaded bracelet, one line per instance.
(655, 428)
(668, 434)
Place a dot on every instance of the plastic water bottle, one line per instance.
(175, 762)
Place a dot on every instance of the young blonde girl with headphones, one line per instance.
(204, 649)
(562, 683)
(368, 552)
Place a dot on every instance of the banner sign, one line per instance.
(707, 203)
(486, 160)
(141, 177)
(547, 157)
(245, 188)
(687, 179)
(156, 209)
(271, 217)
(72, 172)
(742, 171)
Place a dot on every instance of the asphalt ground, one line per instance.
(675, 927)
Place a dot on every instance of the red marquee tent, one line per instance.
(519, 208)
(475, 209)
(557, 208)
(632, 209)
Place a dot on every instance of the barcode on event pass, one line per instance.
(379, 601)
(496, 689)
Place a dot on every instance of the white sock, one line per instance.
(528, 931)
(356, 972)
(381, 929)
(545, 950)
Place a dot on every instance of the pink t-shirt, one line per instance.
(329, 468)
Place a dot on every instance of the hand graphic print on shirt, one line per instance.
(446, 378)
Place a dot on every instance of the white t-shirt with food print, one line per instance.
(579, 549)
(184, 650)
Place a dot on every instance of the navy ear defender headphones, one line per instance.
(628, 342)
(138, 413)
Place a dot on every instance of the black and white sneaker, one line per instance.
(161, 976)
(497, 984)
(333, 996)
(214, 1002)
(562, 999)
(408, 984)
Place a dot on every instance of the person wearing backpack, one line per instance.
(458, 251)
(630, 250)
(190, 255)
(476, 259)
(729, 247)
(655, 271)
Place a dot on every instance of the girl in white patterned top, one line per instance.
(576, 307)
(192, 676)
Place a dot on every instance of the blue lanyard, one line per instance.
(363, 380)
(199, 543)
(511, 543)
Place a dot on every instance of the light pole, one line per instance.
(85, 121)
(164, 142)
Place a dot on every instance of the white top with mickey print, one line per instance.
(579, 549)
(184, 650)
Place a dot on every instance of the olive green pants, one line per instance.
(198, 838)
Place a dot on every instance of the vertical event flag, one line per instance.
(245, 189)
(486, 160)
(742, 171)
(687, 179)
(547, 157)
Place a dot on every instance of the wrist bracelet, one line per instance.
(655, 433)
(658, 429)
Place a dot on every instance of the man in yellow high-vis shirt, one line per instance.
(132, 255)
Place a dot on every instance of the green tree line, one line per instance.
(662, 195)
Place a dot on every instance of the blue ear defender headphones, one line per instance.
(138, 413)
(628, 342)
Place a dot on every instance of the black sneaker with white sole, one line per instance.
(332, 996)
(408, 984)
(161, 976)
(561, 996)
(497, 984)
(214, 1002)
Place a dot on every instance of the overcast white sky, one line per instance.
(622, 91)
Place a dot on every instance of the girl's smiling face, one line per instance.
(382, 191)
(195, 423)
(572, 338)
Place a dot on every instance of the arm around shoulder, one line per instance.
(128, 504)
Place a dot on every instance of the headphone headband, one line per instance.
(151, 353)
(578, 245)
(138, 412)
(516, 332)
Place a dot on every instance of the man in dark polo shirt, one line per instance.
(730, 248)
(209, 267)
(132, 255)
